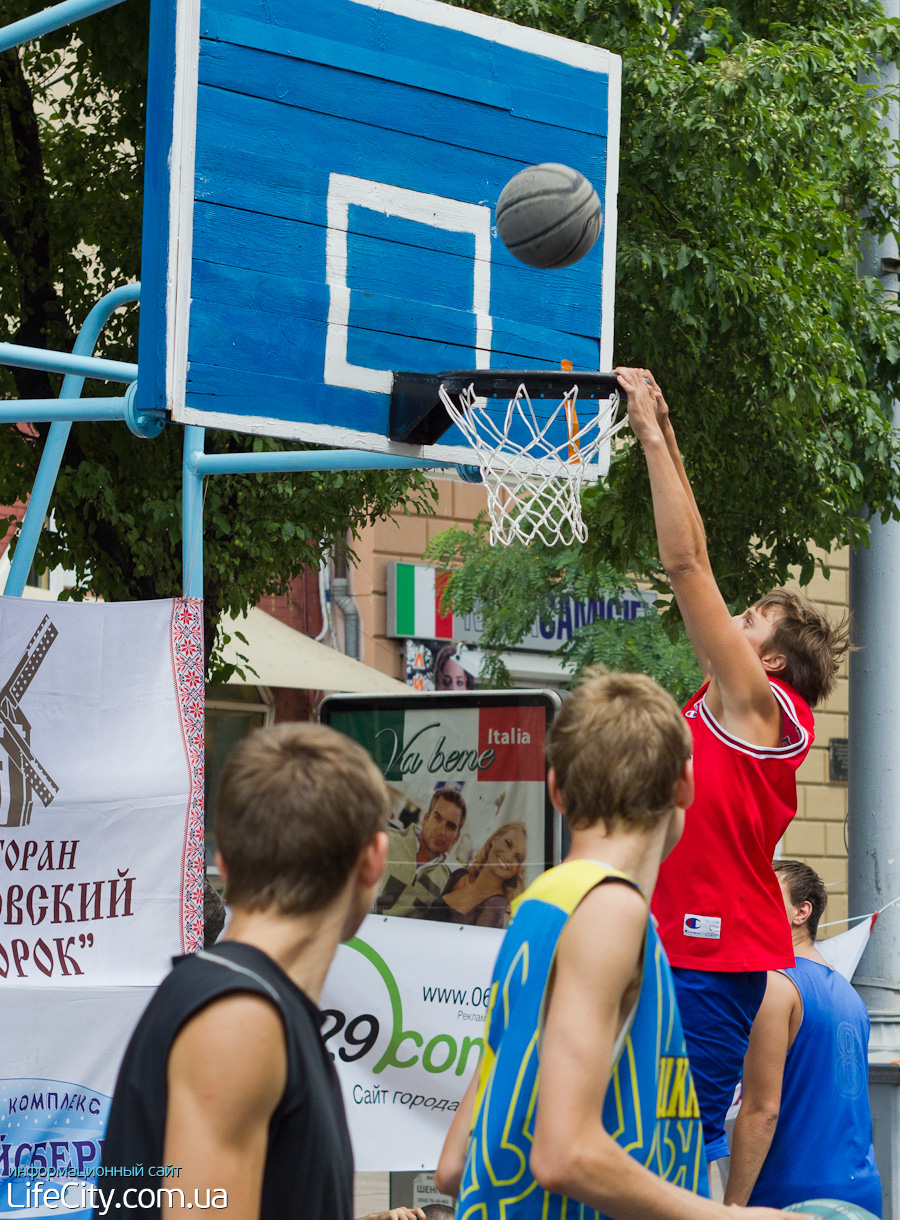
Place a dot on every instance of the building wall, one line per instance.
(817, 835)
(404, 538)
(300, 609)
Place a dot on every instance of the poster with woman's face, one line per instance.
(435, 665)
(468, 830)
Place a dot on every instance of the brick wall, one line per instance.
(301, 610)
(403, 538)
(817, 835)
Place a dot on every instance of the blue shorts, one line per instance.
(717, 1010)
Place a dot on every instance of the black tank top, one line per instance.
(309, 1162)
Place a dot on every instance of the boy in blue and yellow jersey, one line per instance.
(583, 1105)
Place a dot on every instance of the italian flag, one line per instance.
(418, 597)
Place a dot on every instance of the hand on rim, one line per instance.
(662, 407)
(640, 386)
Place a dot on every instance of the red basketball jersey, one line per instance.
(717, 900)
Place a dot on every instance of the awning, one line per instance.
(284, 657)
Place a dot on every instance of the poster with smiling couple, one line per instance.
(470, 823)
(471, 827)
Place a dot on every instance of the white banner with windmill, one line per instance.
(101, 790)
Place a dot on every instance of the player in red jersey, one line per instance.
(717, 900)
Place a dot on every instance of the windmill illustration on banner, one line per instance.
(25, 777)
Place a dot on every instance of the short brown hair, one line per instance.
(803, 885)
(454, 796)
(618, 745)
(297, 804)
(813, 647)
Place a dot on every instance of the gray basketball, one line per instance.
(548, 215)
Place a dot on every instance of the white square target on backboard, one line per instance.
(319, 209)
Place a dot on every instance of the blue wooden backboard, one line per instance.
(320, 191)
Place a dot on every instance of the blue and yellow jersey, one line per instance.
(650, 1106)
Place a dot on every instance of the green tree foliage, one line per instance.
(749, 154)
(71, 152)
(512, 586)
(71, 141)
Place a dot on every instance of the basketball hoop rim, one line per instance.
(419, 417)
(540, 383)
(532, 477)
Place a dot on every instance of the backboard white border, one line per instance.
(610, 215)
(453, 215)
(181, 200)
(495, 29)
(336, 437)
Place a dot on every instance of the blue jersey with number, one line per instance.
(822, 1147)
(650, 1106)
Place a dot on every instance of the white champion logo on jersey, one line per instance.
(708, 927)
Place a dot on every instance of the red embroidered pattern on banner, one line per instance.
(187, 664)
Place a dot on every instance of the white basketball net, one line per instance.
(534, 489)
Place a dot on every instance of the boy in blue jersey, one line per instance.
(583, 1105)
(804, 1130)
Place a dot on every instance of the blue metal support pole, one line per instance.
(50, 19)
(305, 460)
(198, 465)
(192, 513)
(14, 356)
(55, 444)
(49, 410)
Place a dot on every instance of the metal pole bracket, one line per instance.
(146, 424)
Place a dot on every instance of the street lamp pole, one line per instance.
(874, 796)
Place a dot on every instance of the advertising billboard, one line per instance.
(471, 822)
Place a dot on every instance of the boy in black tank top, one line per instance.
(226, 1075)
